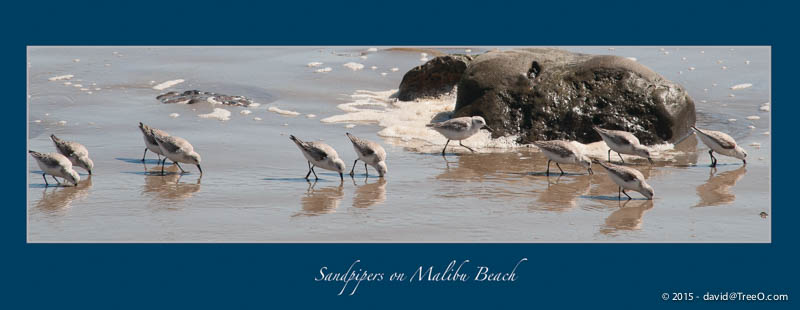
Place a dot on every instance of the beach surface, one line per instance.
(253, 189)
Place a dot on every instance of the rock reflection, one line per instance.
(318, 201)
(168, 187)
(717, 190)
(627, 217)
(58, 198)
(370, 194)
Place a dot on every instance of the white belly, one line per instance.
(622, 149)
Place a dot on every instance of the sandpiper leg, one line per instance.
(559, 168)
(469, 148)
(45, 180)
(619, 193)
(445, 146)
(620, 157)
(341, 175)
(547, 173)
(366, 170)
(54, 178)
(352, 173)
(309, 170)
(179, 167)
(163, 162)
(145, 154)
(315, 173)
(626, 194)
(713, 159)
(609, 155)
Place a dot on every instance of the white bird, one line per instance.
(178, 150)
(623, 142)
(320, 155)
(56, 165)
(563, 152)
(721, 143)
(149, 141)
(628, 178)
(77, 154)
(459, 129)
(370, 153)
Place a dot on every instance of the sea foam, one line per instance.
(168, 84)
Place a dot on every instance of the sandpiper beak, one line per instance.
(201, 169)
(488, 128)
(744, 161)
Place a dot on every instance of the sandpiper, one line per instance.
(178, 150)
(149, 141)
(623, 142)
(77, 154)
(628, 178)
(56, 165)
(459, 129)
(721, 143)
(320, 155)
(370, 153)
(564, 152)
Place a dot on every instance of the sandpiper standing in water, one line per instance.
(721, 143)
(150, 141)
(628, 178)
(459, 129)
(563, 152)
(56, 165)
(178, 150)
(321, 155)
(623, 142)
(75, 152)
(370, 153)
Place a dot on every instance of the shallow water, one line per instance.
(253, 189)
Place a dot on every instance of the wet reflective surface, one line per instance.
(253, 188)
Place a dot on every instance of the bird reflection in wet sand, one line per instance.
(168, 187)
(318, 201)
(717, 190)
(370, 194)
(627, 217)
(61, 198)
(561, 194)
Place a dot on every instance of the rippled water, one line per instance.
(253, 188)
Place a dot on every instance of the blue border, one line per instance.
(281, 275)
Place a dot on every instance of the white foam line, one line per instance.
(283, 112)
(61, 77)
(168, 84)
(741, 86)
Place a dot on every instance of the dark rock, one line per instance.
(544, 94)
(437, 76)
(196, 96)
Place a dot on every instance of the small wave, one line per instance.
(404, 122)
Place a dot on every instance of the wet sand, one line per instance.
(252, 189)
